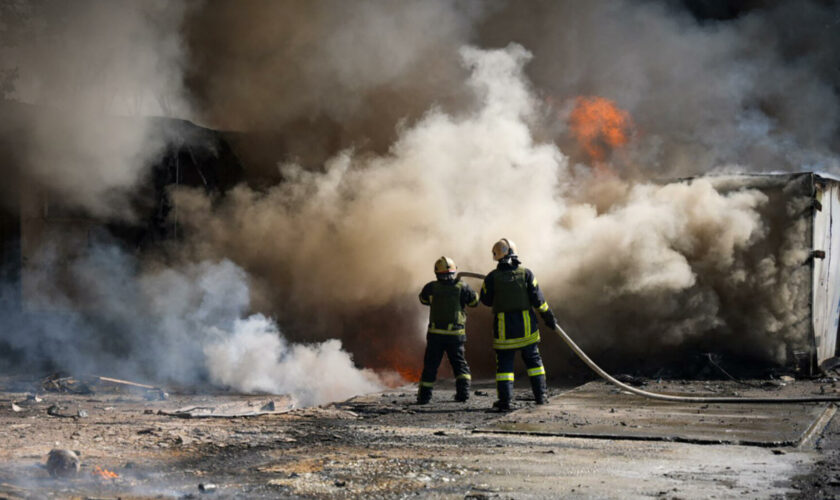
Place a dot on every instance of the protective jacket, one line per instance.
(513, 293)
(447, 299)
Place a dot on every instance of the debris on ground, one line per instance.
(93, 384)
(632, 380)
(57, 383)
(63, 463)
(59, 411)
(381, 446)
(152, 393)
(232, 410)
(207, 487)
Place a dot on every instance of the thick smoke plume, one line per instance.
(326, 74)
(758, 90)
(453, 183)
(377, 136)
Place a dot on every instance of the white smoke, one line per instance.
(256, 357)
(184, 325)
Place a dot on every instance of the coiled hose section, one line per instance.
(667, 397)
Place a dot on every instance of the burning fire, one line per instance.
(599, 126)
(101, 473)
(408, 366)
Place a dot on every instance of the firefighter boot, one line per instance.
(539, 388)
(462, 390)
(504, 390)
(424, 395)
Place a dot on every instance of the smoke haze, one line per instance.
(93, 67)
(187, 325)
(377, 136)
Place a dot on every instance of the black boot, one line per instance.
(504, 390)
(424, 395)
(462, 389)
(539, 388)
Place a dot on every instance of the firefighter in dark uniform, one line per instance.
(446, 298)
(513, 293)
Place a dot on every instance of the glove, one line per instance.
(549, 319)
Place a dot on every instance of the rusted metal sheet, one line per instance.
(825, 292)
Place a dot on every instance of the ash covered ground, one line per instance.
(384, 446)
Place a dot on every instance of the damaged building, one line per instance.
(810, 201)
(34, 217)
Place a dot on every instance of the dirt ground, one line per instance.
(383, 446)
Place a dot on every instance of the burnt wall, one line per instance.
(10, 261)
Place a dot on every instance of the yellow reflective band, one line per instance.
(533, 372)
(448, 332)
(500, 377)
(431, 298)
(424, 301)
(543, 308)
(516, 343)
(427, 384)
(484, 287)
(501, 320)
(465, 376)
(526, 322)
(534, 282)
(474, 302)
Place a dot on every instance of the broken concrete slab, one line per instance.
(597, 411)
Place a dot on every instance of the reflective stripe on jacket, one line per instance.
(513, 293)
(447, 299)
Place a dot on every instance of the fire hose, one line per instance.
(666, 397)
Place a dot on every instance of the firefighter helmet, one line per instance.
(445, 265)
(503, 248)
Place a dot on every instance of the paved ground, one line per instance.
(384, 446)
(600, 411)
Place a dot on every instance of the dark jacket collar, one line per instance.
(507, 264)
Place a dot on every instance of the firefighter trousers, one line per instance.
(454, 347)
(504, 372)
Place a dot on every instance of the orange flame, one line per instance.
(101, 473)
(408, 365)
(409, 373)
(599, 126)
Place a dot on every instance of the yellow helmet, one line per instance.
(445, 265)
(503, 248)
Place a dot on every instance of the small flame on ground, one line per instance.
(411, 374)
(101, 473)
(599, 126)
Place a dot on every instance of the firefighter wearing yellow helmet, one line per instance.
(513, 293)
(447, 299)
